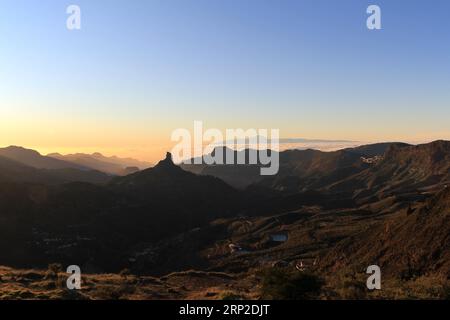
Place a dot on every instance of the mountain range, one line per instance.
(110, 165)
(30, 167)
(26, 165)
(384, 204)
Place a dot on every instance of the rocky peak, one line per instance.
(167, 162)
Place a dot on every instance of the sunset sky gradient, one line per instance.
(140, 69)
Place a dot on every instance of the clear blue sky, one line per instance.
(146, 67)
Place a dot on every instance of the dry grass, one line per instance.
(18, 284)
(352, 285)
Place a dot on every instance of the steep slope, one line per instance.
(11, 170)
(376, 149)
(302, 170)
(403, 169)
(411, 243)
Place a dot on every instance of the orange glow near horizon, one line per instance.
(149, 139)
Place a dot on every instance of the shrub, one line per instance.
(278, 284)
(54, 269)
(124, 273)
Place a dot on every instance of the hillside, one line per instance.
(140, 208)
(332, 214)
(14, 171)
(411, 243)
(403, 169)
(34, 159)
(300, 170)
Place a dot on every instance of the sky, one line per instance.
(137, 70)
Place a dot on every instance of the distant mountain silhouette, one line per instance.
(384, 165)
(14, 171)
(129, 170)
(299, 169)
(111, 165)
(166, 182)
(237, 175)
(34, 159)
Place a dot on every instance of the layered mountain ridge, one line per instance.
(383, 204)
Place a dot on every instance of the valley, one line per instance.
(171, 232)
